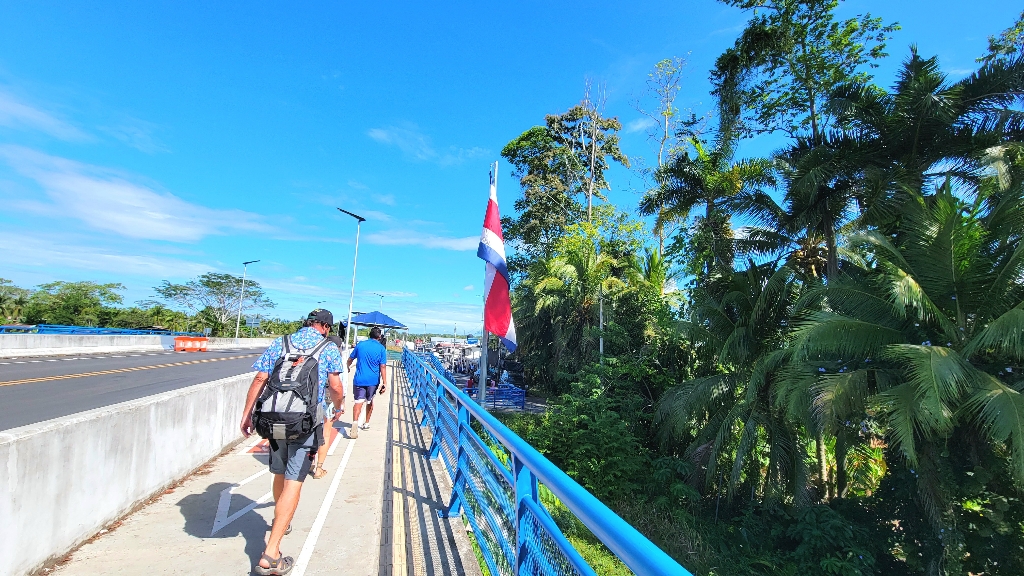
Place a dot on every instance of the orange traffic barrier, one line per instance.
(190, 344)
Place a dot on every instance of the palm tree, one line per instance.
(927, 337)
(712, 179)
(890, 144)
(730, 416)
(567, 290)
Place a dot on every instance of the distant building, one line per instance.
(441, 339)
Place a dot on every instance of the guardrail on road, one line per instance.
(86, 330)
(516, 533)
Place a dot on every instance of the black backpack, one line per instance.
(288, 408)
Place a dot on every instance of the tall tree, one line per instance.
(668, 126)
(557, 164)
(216, 295)
(790, 57)
(926, 339)
(713, 180)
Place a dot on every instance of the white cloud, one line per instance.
(639, 125)
(419, 146)
(109, 200)
(357, 185)
(470, 287)
(393, 294)
(54, 251)
(17, 114)
(388, 199)
(408, 238)
(138, 134)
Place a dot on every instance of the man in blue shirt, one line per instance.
(370, 378)
(290, 461)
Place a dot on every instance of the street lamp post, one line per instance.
(241, 296)
(381, 301)
(355, 261)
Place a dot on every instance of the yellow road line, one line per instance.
(398, 543)
(120, 370)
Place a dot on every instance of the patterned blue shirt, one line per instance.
(306, 338)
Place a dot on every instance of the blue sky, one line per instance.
(154, 140)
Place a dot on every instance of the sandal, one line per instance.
(319, 472)
(282, 565)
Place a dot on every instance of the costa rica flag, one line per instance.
(497, 302)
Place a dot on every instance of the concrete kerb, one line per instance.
(63, 480)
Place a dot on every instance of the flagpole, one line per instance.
(481, 395)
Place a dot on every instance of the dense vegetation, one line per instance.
(811, 362)
(209, 301)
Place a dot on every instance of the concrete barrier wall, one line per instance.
(21, 345)
(222, 343)
(63, 480)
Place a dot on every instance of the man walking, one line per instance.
(370, 378)
(290, 459)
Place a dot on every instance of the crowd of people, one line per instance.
(295, 397)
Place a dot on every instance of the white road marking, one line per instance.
(334, 445)
(321, 517)
(34, 361)
(222, 519)
(19, 362)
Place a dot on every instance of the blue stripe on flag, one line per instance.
(487, 254)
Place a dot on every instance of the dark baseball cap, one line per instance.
(322, 316)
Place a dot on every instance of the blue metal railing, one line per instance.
(516, 533)
(87, 330)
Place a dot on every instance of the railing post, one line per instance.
(455, 502)
(526, 489)
(435, 428)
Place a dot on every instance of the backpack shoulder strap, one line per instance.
(319, 348)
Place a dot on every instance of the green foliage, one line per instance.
(13, 301)
(215, 297)
(557, 164)
(838, 390)
(1007, 44)
(91, 304)
(72, 303)
(789, 59)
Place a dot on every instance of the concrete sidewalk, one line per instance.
(215, 523)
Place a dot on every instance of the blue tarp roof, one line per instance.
(376, 319)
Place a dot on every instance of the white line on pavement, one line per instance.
(222, 519)
(337, 439)
(321, 517)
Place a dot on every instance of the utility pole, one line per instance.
(241, 295)
(355, 261)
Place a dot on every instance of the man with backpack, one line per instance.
(370, 378)
(284, 406)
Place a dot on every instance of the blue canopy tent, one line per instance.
(377, 319)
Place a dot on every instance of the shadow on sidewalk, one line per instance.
(200, 511)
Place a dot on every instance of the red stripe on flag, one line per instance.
(498, 310)
(492, 221)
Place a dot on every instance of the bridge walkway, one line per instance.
(374, 513)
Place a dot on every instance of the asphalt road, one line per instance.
(36, 389)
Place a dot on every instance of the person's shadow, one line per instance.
(200, 512)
